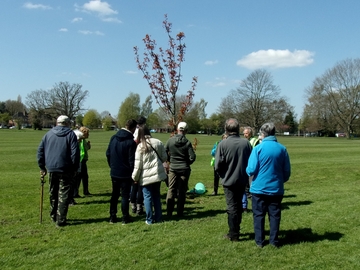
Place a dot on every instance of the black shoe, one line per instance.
(126, 221)
(140, 212)
(232, 239)
(73, 202)
(87, 194)
(77, 196)
(113, 220)
(61, 224)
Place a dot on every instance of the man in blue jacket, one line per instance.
(269, 163)
(59, 154)
(120, 156)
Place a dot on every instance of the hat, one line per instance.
(63, 119)
(182, 126)
(79, 134)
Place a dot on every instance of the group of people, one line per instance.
(141, 162)
(266, 165)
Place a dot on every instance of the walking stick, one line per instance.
(42, 181)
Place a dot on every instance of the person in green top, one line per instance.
(85, 146)
(248, 134)
(212, 162)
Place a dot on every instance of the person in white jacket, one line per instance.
(149, 172)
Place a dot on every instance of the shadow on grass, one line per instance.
(301, 235)
(290, 196)
(286, 205)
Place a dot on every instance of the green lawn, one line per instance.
(320, 226)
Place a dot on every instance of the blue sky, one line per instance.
(91, 42)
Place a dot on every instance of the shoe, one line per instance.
(275, 245)
(245, 210)
(73, 202)
(61, 224)
(126, 221)
(77, 196)
(232, 239)
(147, 222)
(259, 246)
(113, 220)
(87, 194)
(213, 194)
(53, 218)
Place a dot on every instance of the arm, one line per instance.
(287, 167)
(137, 165)
(41, 158)
(213, 151)
(191, 152)
(253, 163)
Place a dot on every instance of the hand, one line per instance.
(43, 173)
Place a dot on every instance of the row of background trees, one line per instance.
(333, 105)
(333, 100)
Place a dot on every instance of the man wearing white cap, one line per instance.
(59, 154)
(181, 155)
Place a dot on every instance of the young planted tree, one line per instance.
(162, 71)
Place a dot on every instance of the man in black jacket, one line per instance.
(121, 158)
(181, 155)
(231, 160)
(59, 154)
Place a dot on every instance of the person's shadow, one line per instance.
(300, 235)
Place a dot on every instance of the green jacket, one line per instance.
(180, 152)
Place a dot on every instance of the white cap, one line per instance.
(182, 126)
(63, 119)
(79, 134)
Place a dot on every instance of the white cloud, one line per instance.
(131, 72)
(210, 62)
(101, 8)
(219, 82)
(87, 32)
(111, 19)
(276, 59)
(63, 30)
(30, 5)
(99, 33)
(77, 19)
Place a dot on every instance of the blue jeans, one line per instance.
(152, 197)
(244, 201)
(123, 184)
(262, 204)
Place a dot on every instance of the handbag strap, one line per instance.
(154, 150)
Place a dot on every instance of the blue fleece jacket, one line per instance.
(269, 163)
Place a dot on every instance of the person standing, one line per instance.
(120, 156)
(212, 163)
(231, 160)
(248, 134)
(85, 147)
(180, 155)
(269, 163)
(77, 176)
(59, 154)
(136, 194)
(149, 172)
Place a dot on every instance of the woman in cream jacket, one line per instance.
(149, 172)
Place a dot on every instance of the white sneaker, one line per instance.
(147, 222)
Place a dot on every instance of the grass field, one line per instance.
(320, 226)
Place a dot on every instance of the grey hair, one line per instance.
(232, 126)
(267, 129)
(250, 130)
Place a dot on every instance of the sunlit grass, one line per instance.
(319, 229)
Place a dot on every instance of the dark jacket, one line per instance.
(121, 154)
(59, 151)
(180, 152)
(231, 160)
